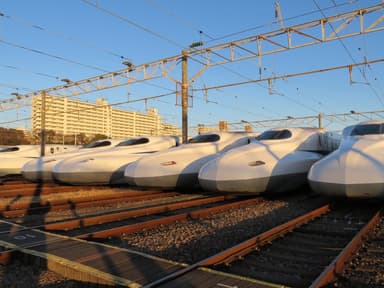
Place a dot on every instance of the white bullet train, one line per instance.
(32, 150)
(12, 158)
(108, 166)
(356, 169)
(278, 161)
(40, 169)
(179, 166)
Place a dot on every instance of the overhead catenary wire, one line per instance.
(141, 27)
(16, 87)
(276, 22)
(29, 71)
(61, 35)
(289, 75)
(350, 56)
(181, 20)
(52, 56)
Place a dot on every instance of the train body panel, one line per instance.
(279, 161)
(107, 167)
(356, 169)
(179, 167)
(40, 169)
(12, 158)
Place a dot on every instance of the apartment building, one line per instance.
(70, 116)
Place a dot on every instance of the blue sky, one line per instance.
(75, 31)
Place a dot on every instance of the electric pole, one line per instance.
(42, 132)
(184, 97)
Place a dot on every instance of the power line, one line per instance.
(63, 36)
(52, 56)
(276, 22)
(16, 88)
(169, 40)
(178, 18)
(269, 79)
(350, 56)
(29, 71)
(130, 22)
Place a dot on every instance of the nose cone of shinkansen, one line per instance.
(176, 168)
(255, 169)
(39, 169)
(348, 173)
(93, 169)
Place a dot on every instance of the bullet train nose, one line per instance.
(238, 171)
(177, 168)
(65, 172)
(39, 169)
(351, 173)
(10, 166)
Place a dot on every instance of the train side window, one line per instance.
(275, 135)
(205, 138)
(97, 144)
(135, 141)
(9, 149)
(368, 129)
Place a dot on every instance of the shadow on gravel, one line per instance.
(25, 238)
(213, 237)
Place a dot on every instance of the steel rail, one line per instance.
(75, 205)
(167, 220)
(19, 185)
(339, 264)
(43, 190)
(69, 200)
(246, 246)
(101, 219)
(60, 189)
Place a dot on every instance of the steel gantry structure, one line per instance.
(311, 33)
(320, 121)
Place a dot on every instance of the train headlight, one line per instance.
(86, 160)
(168, 163)
(256, 163)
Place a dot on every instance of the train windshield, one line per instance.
(368, 129)
(96, 144)
(131, 142)
(205, 138)
(9, 149)
(274, 135)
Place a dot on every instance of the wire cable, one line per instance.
(52, 56)
(29, 71)
(60, 35)
(141, 27)
(179, 19)
(276, 22)
(350, 55)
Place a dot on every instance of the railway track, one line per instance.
(366, 267)
(308, 251)
(301, 255)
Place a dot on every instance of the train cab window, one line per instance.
(274, 135)
(97, 144)
(9, 149)
(204, 138)
(368, 129)
(136, 141)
